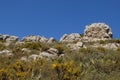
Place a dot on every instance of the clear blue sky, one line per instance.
(53, 18)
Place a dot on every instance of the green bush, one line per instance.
(32, 45)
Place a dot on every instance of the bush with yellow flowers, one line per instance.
(4, 74)
(19, 70)
(66, 70)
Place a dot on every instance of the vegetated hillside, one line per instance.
(93, 55)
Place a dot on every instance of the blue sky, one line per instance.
(53, 18)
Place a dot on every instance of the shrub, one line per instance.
(2, 46)
(60, 47)
(44, 47)
(4, 74)
(66, 70)
(32, 45)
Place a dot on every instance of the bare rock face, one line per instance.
(71, 37)
(35, 39)
(97, 31)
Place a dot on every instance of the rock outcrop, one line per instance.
(8, 38)
(70, 37)
(35, 39)
(100, 32)
(5, 53)
(112, 46)
(39, 39)
(52, 53)
(97, 31)
(52, 40)
(75, 46)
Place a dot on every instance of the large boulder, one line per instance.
(70, 37)
(97, 31)
(35, 39)
(52, 53)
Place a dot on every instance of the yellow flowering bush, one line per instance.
(4, 74)
(66, 70)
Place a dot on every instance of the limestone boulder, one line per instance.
(35, 39)
(112, 46)
(76, 46)
(5, 53)
(33, 57)
(52, 53)
(70, 37)
(8, 38)
(97, 31)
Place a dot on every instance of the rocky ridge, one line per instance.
(95, 35)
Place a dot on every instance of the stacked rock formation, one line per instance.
(97, 31)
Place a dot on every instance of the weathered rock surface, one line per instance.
(8, 38)
(76, 46)
(35, 39)
(5, 52)
(33, 57)
(24, 58)
(39, 39)
(25, 50)
(52, 53)
(51, 40)
(70, 37)
(48, 55)
(97, 31)
(113, 46)
(74, 41)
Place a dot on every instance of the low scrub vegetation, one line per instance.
(83, 64)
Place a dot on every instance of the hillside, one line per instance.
(92, 55)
